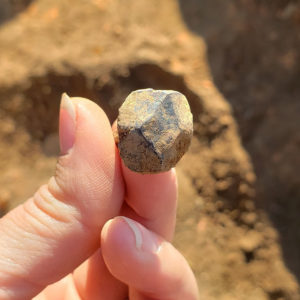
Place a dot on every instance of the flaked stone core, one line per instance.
(155, 129)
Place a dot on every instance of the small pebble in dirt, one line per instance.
(155, 129)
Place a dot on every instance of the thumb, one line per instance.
(57, 229)
(148, 264)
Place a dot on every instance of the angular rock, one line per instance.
(155, 128)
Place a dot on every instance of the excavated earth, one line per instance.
(236, 61)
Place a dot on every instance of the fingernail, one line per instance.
(105, 228)
(145, 240)
(67, 124)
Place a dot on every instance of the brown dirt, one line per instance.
(239, 234)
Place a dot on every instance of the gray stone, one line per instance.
(155, 128)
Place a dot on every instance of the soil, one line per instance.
(236, 61)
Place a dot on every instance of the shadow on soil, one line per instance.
(252, 51)
(43, 95)
(10, 8)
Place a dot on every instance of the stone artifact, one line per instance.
(155, 128)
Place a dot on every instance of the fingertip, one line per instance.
(121, 233)
(153, 197)
(116, 240)
(87, 103)
(105, 229)
(144, 261)
(92, 159)
(126, 237)
(150, 185)
(129, 249)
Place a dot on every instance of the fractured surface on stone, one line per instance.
(155, 128)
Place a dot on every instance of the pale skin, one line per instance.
(71, 241)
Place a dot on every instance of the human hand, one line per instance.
(50, 246)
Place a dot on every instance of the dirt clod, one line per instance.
(155, 129)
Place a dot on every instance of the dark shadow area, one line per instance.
(253, 51)
(42, 98)
(10, 8)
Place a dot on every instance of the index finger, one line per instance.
(151, 198)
